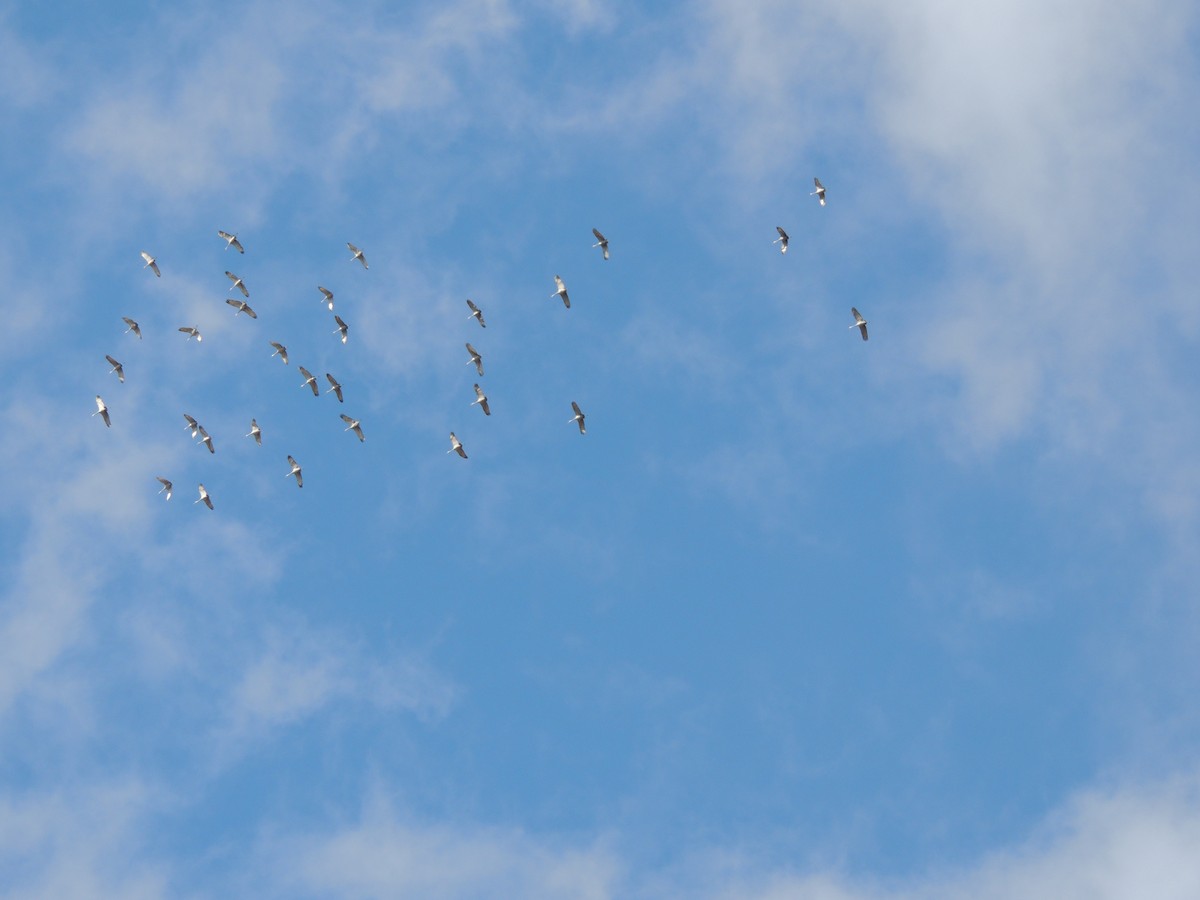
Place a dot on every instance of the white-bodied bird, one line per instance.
(116, 367)
(295, 471)
(204, 498)
(561, 292)
(255, 432)
(334, 387)
(577, 418)
(231, 241)
(310, 380)
(191, 332)
(859, 322)
(475, 358)
(456, 446)
(133, 326)
(205, 439)
(280, 351)
(481, 399)
(819, 193)
(166, 488)
(242, 307)
(476, 313)
(782, 240)
(193, 425)
(601, 242)
(342, 328)
(102, 412)
(237, 283)
(352, 425)
(358, 254)
(328, 294)
(151, 263)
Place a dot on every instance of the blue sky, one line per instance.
(798, 617)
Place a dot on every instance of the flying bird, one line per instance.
(242, 307)
(334, 387)
(859, 322)
(352, 425)
(191, 332)
(310, 380)
(205, 439)
(328, 296)
(237, 283)
(819, 193)
(601, 242)
(475, 358)
(578, 417)
(166, 488)
(255, 432)
(456, 446)
(561, 292)
(193, 425)
(476, 313)
(358, 254)
(133, 326)
(116, 367)
(151, 263)
(231, 241)
(204, 498)
(280, 351)
(342, 328)
(782, 240)
(102, 412)
(481, 399)
(295, 471)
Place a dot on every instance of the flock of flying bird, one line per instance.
(242, 306)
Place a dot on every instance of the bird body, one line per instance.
(166, 488)
(280, 351)
(561, 292)
(242, 307)
(237, 283)
(456, 446)
(310, 380)
(342, 328)
(334, 387)
(476, 313)
(116, 367)
(482, 400)
(102, 412)
(577, 418)
(192, 332)
(353, 425)
(231, 240)
(151, 263)
(601, 242)
(328, 294)
(475, 358)
(358, 254)
(819, 193)
(193, 425)
(295, 471)
(204, 498)
(205, 439)
(782, 240)
(859, 322)
(133, 326)
(255, 432)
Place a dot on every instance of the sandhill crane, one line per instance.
(237, 283)
(475, 358)
(280, 351)
(578, 417)
(328, 294)
(310, 380)
(859, 322)
(231, 241)
(334, 387)
(352, 425)
(601, 242)
(116, 367)
(193, 425)
(151, 263)
(166, 488)
(295, 471)
(476, 313)
(819, 193)
(342, 328)
(191, 332)
(204, 498)
(102, 412)
(456, 446)
(358, 254)
(242, 307)
(782, 240)
(481, 399)
(205, 439)
(561, 292)
(133, 326)
(255, 432)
